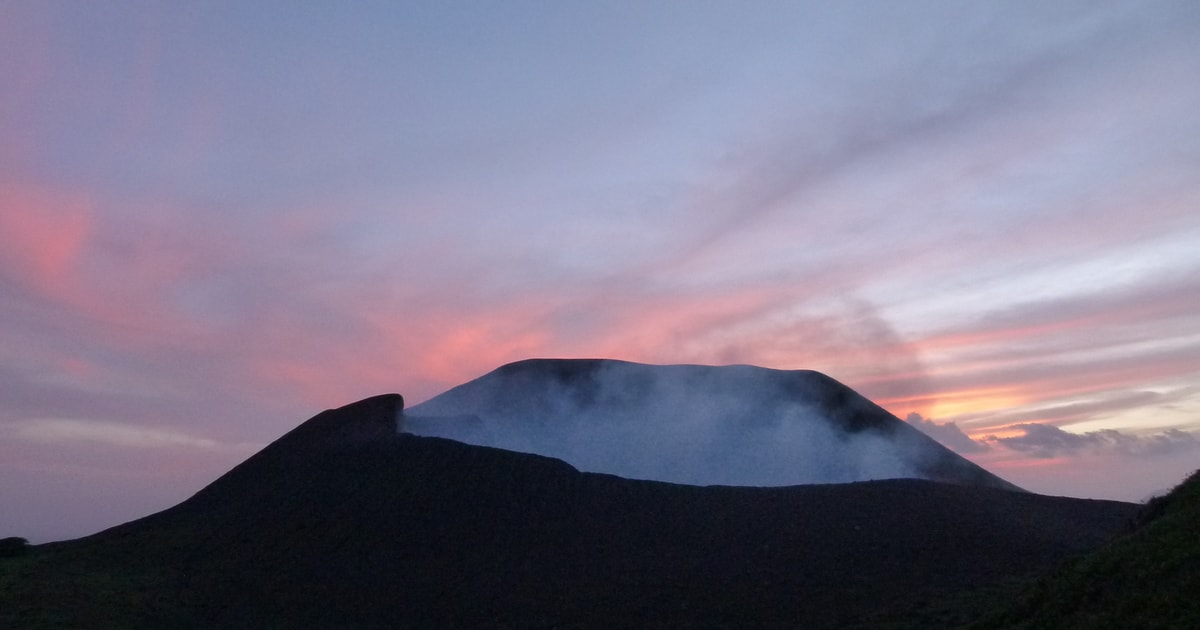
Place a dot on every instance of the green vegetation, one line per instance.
(98, 586)
(1149, 577)
(83, 596)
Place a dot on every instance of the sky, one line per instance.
(219, 218)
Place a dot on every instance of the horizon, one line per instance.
(218, 220)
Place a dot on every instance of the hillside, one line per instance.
(346, 523)
(1149, 577)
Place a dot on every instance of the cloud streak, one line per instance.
(1045, 441)
(51, 430)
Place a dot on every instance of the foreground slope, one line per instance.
(729, 425)
(346, 523)
(1147, 578)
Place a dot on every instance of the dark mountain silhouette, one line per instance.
(346, 523)
(730, 425)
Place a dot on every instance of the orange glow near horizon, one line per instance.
(1009, 462)
(948, 404)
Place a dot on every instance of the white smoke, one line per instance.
(736, 425)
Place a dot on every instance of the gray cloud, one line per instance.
(948, 433)
(1045, 441)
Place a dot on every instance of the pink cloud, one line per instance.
(42, 239)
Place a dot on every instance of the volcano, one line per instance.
(702, 425)
(346, 522)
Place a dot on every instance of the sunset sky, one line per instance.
(219, 218)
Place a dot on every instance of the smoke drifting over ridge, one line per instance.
(731, 425)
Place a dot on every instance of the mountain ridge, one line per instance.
(345, 522)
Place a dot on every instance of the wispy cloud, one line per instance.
(51, 430)
(1045, 441)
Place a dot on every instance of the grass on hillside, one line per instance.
(40, 589)
(1148, 577)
